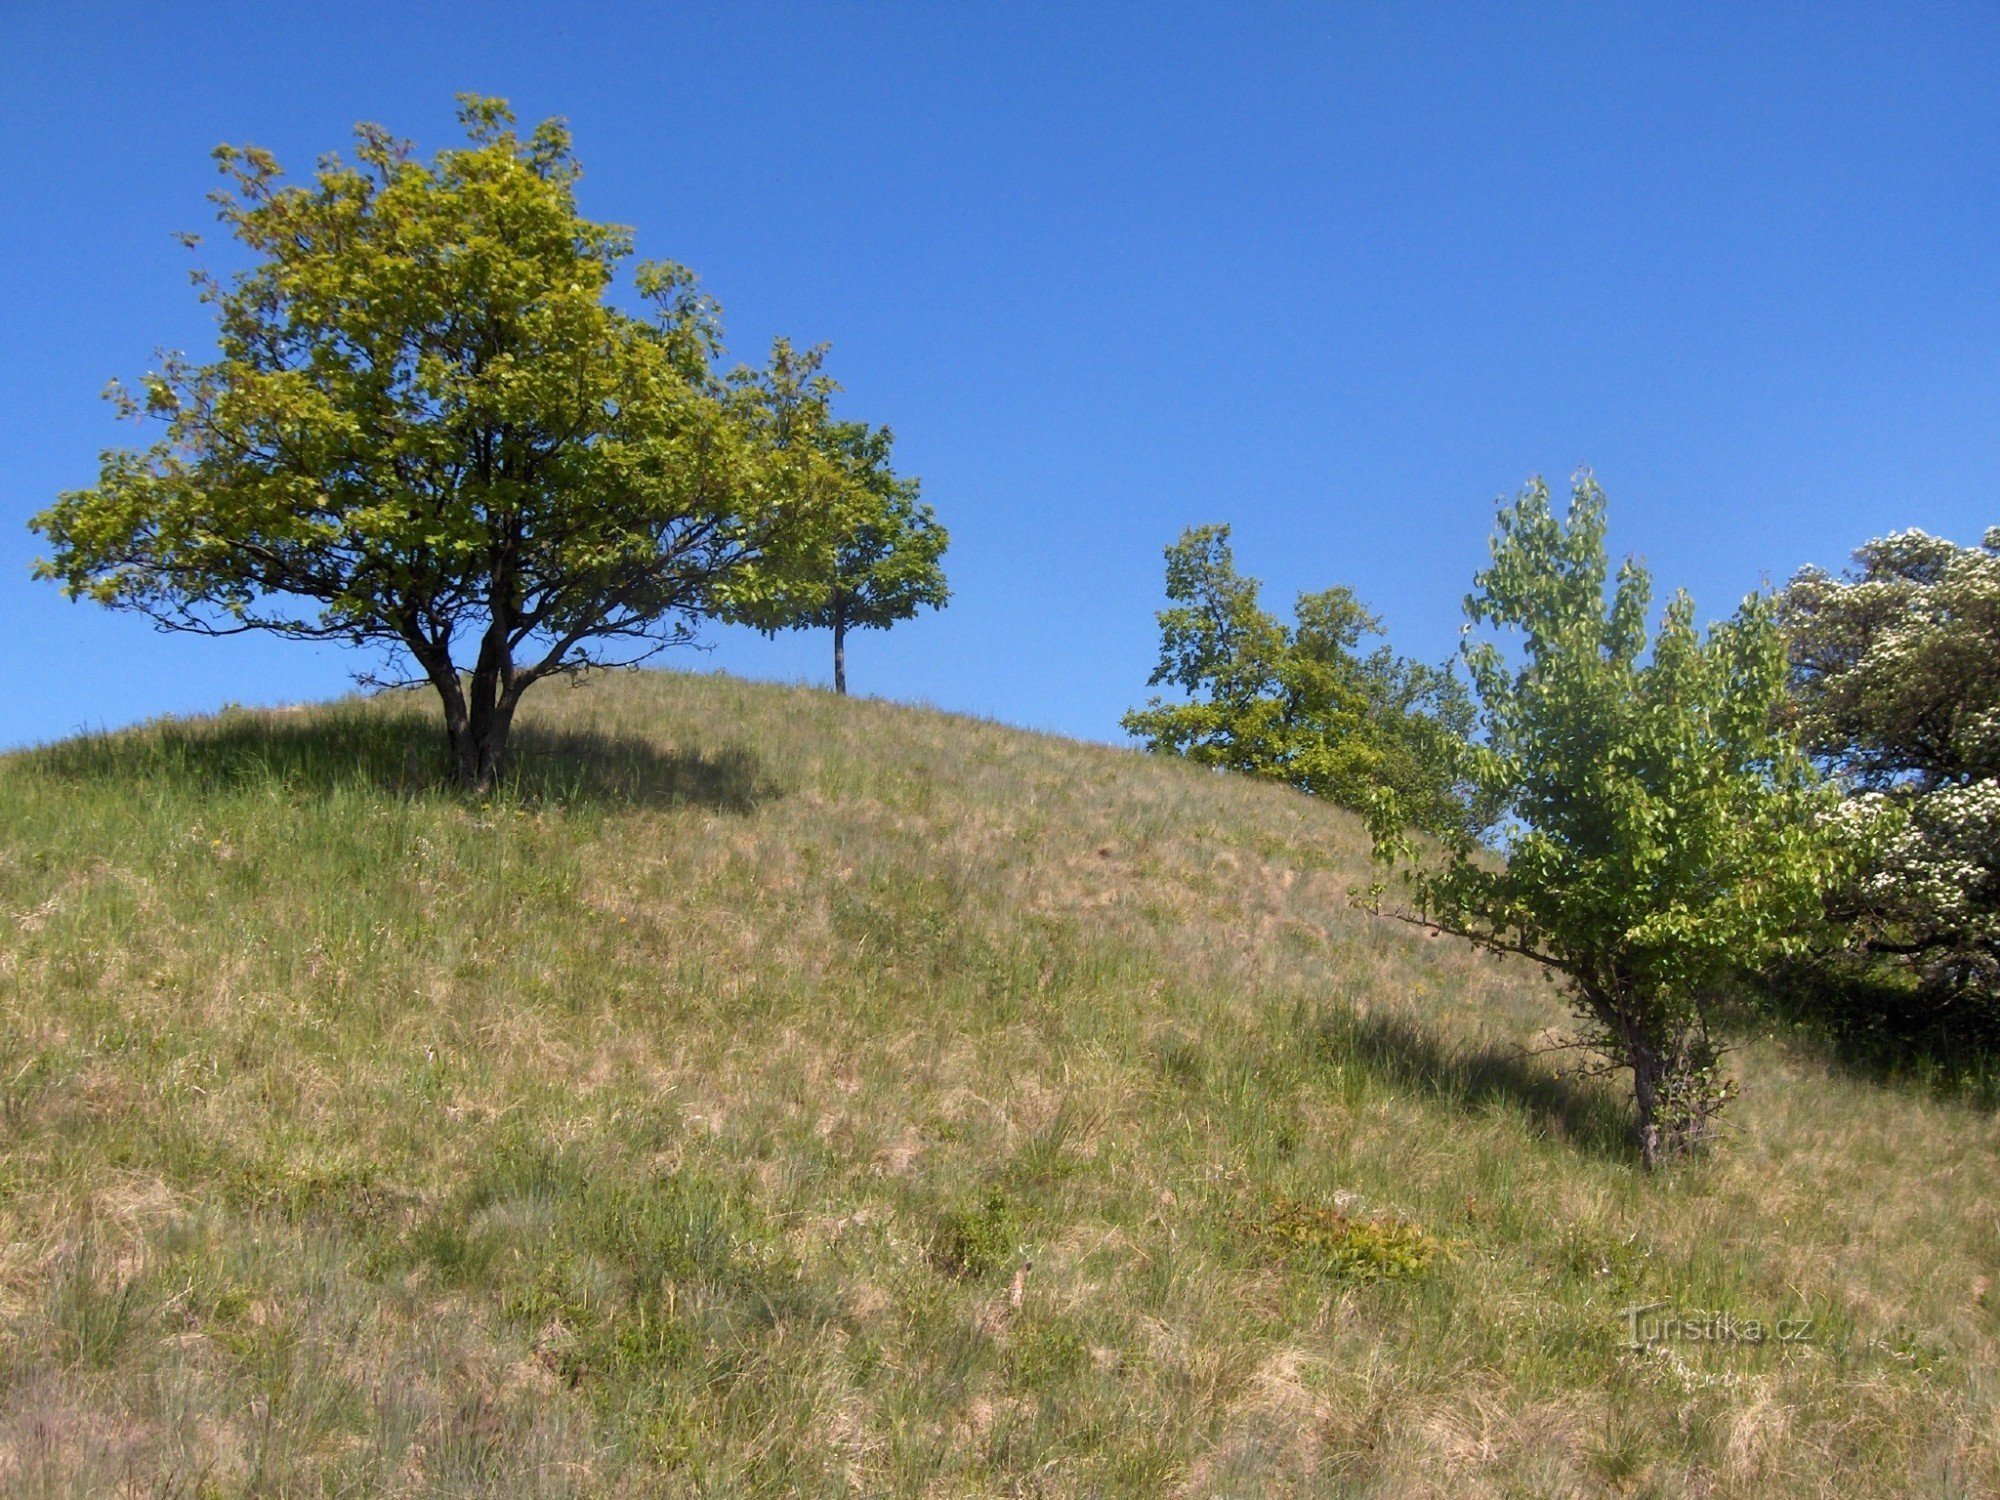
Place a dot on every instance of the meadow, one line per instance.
(768, 1093)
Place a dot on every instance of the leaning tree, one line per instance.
(429, 430)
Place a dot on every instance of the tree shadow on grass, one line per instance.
(1474, 1079)
(402, 752)
(1882, 1028)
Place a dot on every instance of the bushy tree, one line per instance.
(1420, 718)
(1896, 687)
(878, 560)
(1299, 703)
(428, 429)
(1660, 829)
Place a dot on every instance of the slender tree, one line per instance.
(877, 563)
(428, 431)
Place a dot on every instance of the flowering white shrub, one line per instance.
(1896, 688)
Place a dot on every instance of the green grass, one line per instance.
(772, 1094)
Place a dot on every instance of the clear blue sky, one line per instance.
(1339, 275)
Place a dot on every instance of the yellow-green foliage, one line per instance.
(1348, 1248)
(432, 429)
(773, 1094)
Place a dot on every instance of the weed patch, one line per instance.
(1329, 1241)
(973, 1241)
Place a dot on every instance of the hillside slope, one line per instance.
(781, 1094)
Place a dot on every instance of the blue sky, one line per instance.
(1340, 276)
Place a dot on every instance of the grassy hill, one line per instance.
(776, 1094)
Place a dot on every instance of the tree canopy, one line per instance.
(1660, 828)
(429, 429)
(879, 563)
(1299, 703)
(1896, 689)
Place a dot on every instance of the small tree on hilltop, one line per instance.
(428, 431)
(875, 563)
(1660, 831)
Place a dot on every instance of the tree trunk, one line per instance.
(840, 651)
(1648, 1075)
(488, 759)
(1675, 1090)
(479, 754)
(483, 758)
(476, 727)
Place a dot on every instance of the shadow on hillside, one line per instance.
(403, 753)
(1886, 1031)
(1473, 1079)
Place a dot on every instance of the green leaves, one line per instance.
(428, 426)
(1895, 688)
(1296, 703)
(1662, 831)
(875, 555)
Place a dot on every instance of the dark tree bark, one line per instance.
(477, 735)
(476, 723)
(1674, 1093)
(479, 757)
(1648, 1076)
(839, 650)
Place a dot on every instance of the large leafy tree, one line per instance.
(428, 429)
(1299, 703)
(1896, 686)
(1660, 829)
(876, 562)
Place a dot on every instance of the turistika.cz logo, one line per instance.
(1661, 1323)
